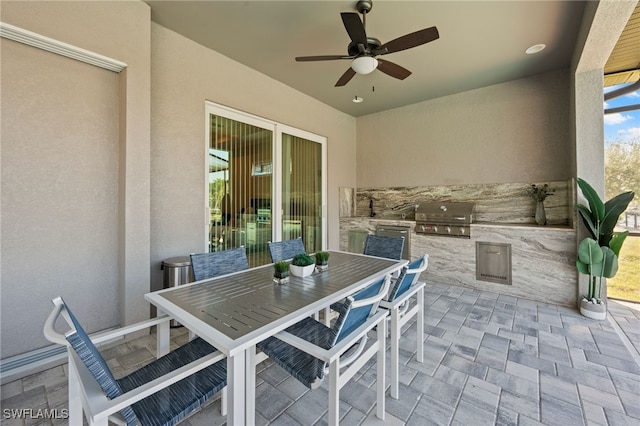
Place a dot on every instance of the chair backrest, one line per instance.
(85, 349)
(358, 308)
(283, 250)
(389, 247)
(408, 276)
(214, 264)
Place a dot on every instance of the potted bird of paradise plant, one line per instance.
(598, 253)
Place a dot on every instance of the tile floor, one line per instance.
(489, 359)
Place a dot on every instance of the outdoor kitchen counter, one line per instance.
(370, 223)
(543, 257)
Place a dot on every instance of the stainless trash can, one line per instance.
(176, 271)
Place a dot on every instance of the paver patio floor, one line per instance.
(489, 359)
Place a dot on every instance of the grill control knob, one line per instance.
(422, 228)
(435, 229)
(448, 229)
(462, 231)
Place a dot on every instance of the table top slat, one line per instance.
(241, 303)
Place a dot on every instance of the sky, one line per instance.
(624, 126)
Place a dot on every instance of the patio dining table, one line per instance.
(234, 312)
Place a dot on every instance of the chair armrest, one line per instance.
(405, 296)
(123, 331)
(49, 325)
(374, 299)
(98, 406)
(55, 337)
(336, 351)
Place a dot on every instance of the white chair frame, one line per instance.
(85, 393)
(399, 315)
(338, 378)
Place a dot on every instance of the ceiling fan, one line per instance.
(363, 51)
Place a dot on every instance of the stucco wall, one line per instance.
(517, 131)
(118, 266)
(184, 76)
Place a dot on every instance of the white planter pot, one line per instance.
(593, 310)
(301, 271)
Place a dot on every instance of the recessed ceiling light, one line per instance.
(535, 49)
(357, 99)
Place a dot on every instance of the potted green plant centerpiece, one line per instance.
(598, 254)
(322, 261)
(539, 194)
(281, 272)
(301, 265)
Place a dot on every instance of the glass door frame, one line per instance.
(277, 129)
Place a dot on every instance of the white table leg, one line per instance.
(236, 391)
(395, 351)
(420, 321)
(250, 386)
(381, 387)
(163, 342)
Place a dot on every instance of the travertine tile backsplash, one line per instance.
(500, 203)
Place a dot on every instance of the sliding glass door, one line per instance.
(265, 183)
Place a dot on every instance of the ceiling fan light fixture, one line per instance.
(357, 99)
(535, 49)
(364, 64)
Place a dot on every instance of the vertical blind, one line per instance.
(240, 191)
(241, 188)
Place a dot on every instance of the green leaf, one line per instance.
(613, 209)
(583, 268)
(589, 252)
(609, 263)
(595, 202)
(616, 241)
(587, 218)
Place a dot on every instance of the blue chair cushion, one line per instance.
(306, 368)
(93, 360)
(214, 264)
(168, 406)
(404, 280)
(381, 246)
(283, 250)
(355, 317)
(172, 404)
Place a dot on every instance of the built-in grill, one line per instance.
(448, 219)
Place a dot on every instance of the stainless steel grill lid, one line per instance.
(449, 219)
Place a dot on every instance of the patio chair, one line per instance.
(389, 247)
(214, 264)
(404, 288)
(161, 393)
(308, 350)
(284, 250)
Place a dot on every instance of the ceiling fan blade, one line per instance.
(394, 70)
(408, 41)
(346, 77)
(354, 27)
(322, 58)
